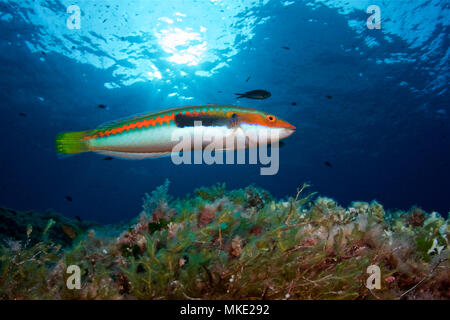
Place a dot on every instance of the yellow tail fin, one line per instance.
(72, 143)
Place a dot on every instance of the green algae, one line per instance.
(237, 244)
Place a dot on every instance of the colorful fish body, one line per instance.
(152, 135)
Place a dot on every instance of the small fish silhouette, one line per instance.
(294, 103)
(78, 218)
(22, 114)
(102, 106)
(328, 164)
(286, 48)
(69, 198)
(255, 94)
(329, 97)
(108, 158)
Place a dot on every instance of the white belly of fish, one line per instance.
(161, 141)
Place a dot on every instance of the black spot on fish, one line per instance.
(108, 158)
(22, 114)
(293, 103)
(102, 106)
(329, 97)
(182, 120)
(328, 164)
(69, 198)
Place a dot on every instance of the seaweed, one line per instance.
(233, 244)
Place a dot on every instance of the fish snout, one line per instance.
(284, 124)
(286, 129)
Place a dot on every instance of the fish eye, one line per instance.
(270, 118)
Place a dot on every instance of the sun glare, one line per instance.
(185, 46)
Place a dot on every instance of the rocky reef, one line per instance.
(222, 244)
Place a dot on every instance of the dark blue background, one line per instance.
(384, 141)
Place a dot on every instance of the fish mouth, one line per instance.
(286, 132)
(285, 125)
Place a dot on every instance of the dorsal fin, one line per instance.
(162, 113)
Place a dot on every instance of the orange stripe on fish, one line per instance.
(140, 124)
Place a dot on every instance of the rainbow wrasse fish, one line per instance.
(151, 135)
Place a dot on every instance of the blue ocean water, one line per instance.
(371, 106)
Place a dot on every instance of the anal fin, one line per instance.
(134, 156)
